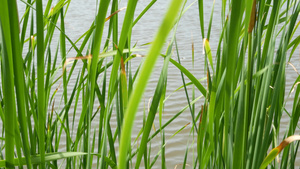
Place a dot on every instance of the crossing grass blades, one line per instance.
(235, 121)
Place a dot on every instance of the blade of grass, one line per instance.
(185, 89)
(19, 79)
(201, 17)
(153, 108)
(190, 76)
(7, 85)
(100, 20)
(274, 152)
(143, 78)
(40, 80)
(233, 38)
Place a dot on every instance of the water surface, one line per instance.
(81, 14)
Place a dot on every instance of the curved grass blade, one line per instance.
(190, 76)
(275, 151)
(145, 72)
(153, 108)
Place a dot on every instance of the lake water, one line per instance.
(79, 18)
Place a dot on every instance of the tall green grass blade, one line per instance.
(201, 17)
(8, 84)
(163, 150)
(25, 23)
(19, 79)
(40, 80)
(143, 78)
(100, 20)
(185, 158)
(185, 89)
(153, 108)
(65, 93)
(240, 130)
(210, 20)
(231, 58)
(123, 37)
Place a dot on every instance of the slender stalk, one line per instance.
(143, 78)
(40, 80)
(8, 85)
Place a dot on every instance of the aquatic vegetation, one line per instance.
(242, 96)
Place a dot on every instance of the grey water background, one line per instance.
(80, 16)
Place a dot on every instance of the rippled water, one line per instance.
(81, 14)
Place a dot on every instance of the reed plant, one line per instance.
(242, 97)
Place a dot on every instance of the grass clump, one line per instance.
(243, 101)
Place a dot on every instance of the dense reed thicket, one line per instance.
(243, 97)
